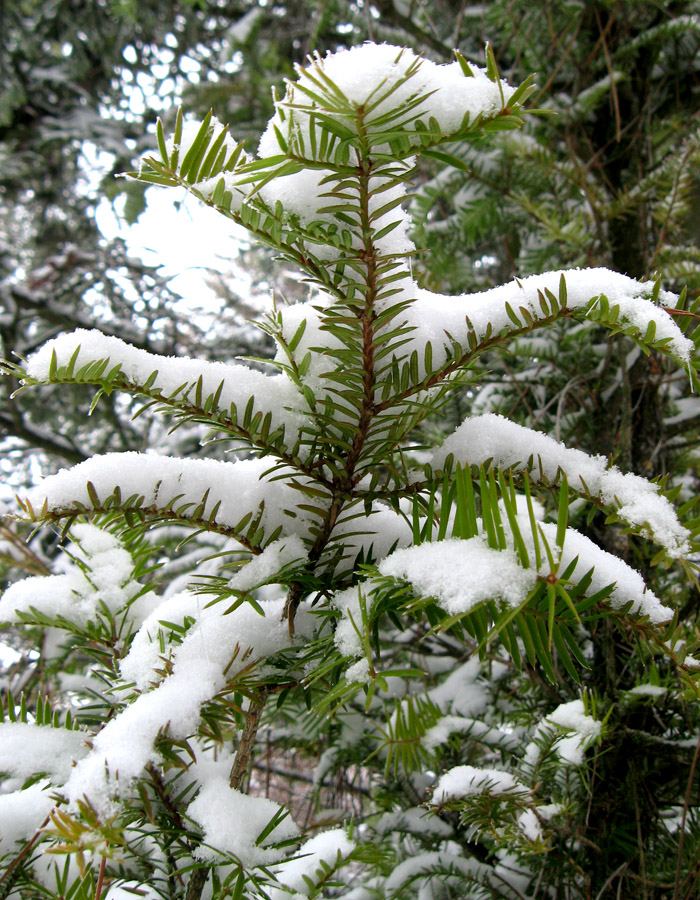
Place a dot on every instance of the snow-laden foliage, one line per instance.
(352, 586)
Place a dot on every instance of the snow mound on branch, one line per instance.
(231, 489)
(75, 595)
(212, 652)
(465, 781)
(628, 585)
(175, 377)
(437, 867)
(434, 314)
(299, 874)
(22, 813)
(474, 729)
(379, 78)
(638, 501)
(442, 319)
(263, 568)
(569, 717)
(27, 749)
(460, 574)
(232, 822)
(370, 81)
(460, 692)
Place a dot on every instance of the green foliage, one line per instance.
(294, 608)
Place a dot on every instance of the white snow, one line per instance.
(232, 822)
(648, 690)
(145, 652)
(460, 692)
(299, 874)
(414, 820)
(436, 863)
(472, 729)
(573, 717)
(375, 80)
(131, 890)
(346, 636)
(263, 568)
(582, 730)
(22, 813)
(79, 594)
(379, 78)
(460, 574)
(359, 672)
(529, 824)
(432, 315)
(465, 781)
(629, 586)
(240, 30)
(441, 319)
(232, 488)
(212, 652)
(529, 821)
(638, 501)
(177, 378)
(27, 749)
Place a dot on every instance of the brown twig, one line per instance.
(4, 892)
(100, 878)
(238, 772)
(245, 748)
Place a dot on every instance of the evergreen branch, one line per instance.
(344, 483)
(142, 517)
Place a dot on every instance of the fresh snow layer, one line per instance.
(100, 578)
(629, 586)
(434, 315)
(436, 864)
(648, 690)
(212, 652)
(570, 748)
(299, 874)
(263, 568)
(379, 77)
(414, 820)
(349, 627)
(22, 813)
(145, 658)
(572, 716)
(232, 488)
(474, 729)
(131, 890)
(637, 501)
(442, 319)
(176, 377)
(27, 749)
(232, 822)
(465, 781)
(529, 821)
(461, 693)
(460, 574)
